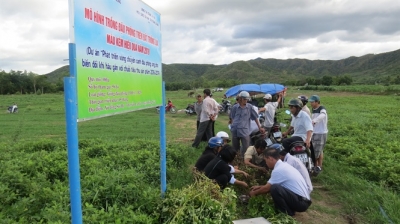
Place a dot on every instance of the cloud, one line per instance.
(35, 32)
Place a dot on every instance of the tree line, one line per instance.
(23, 82)
(200, 82)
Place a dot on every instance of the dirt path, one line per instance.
(323, 209)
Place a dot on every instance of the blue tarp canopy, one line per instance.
(254, 89)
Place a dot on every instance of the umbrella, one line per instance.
(253, 89)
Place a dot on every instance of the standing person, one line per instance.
(197, 108)
(239, 118)
(304, 100)
(287, 187)
(295, 162)
(282, 101)
(209, 110)
(216, 116)
(269, 110)
(320, 123)
(301, 123)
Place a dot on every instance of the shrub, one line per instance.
(200, 202)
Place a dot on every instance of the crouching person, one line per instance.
(210, 152)
(220, 170)
(287, 187)
(254, 156)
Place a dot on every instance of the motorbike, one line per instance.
(275, 133)
(225, 106)
(190, 109)
(169, 107)
(299, 150)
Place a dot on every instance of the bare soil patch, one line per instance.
(323, 209)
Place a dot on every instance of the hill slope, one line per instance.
(366, 69)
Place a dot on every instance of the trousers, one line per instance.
(288, 202)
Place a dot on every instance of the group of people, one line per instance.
(290, 185)
(312, 128)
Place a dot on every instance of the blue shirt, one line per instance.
(288, 177)
(241, 117)
(299, 166)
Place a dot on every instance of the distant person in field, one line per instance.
(169, 105)
(210, 152)
(287, 187)
(14, 107)
(209, 110)
(304, 100)
(239, 119)
(320, 135)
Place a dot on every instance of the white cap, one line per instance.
(267, 96)
(222, 134)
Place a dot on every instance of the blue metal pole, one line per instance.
(163, 145)
(70, 99)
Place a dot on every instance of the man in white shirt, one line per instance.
(320, 122)
(209, 111)
(301, 123)
(287, 187)
(295, 162)
(269, 109)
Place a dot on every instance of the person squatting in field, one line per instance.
(286, 185)
(210, 152)
(301, 123)
(220, 170)
(239, 119)
(209, 110)
(320, 134)
(295, 162)
(254, 156)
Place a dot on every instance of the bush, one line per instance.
(201, 202)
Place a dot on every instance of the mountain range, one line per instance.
(367, 69)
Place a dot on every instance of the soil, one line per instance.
(323, 209)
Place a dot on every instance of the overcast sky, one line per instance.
(34, 33)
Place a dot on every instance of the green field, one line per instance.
(119, 158)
